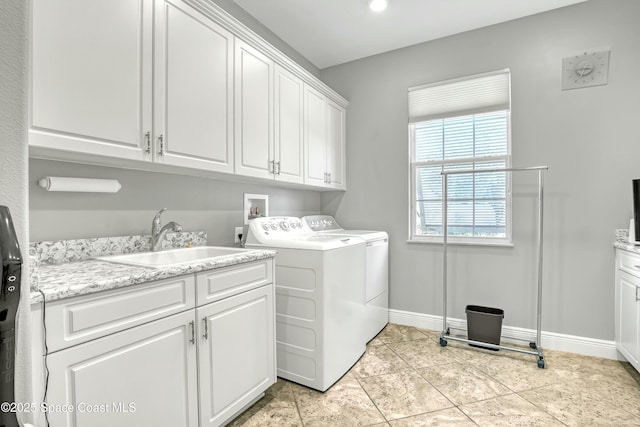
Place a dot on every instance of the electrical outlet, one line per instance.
(237, 235)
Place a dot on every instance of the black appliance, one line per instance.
(9, 299)
(636, 208)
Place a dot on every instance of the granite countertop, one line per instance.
(626, 246)
(67, 268)
(66, 280)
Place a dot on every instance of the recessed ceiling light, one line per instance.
(377, 5)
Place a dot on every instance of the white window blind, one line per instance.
(448, 134)
(458, 97)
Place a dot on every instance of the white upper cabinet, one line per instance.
(91, 77)
(193, 113)
(253, 112)
(336, 165)
(288, 125)
(179, 86)
(269, 118)
(324, 130)
(315, 137)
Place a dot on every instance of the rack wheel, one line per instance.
(533, 345)
(443, 342)
(541, 363)
(448, 331)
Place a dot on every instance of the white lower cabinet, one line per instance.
(199, 367)
(627, 308)
(236, 353)
(144, 376)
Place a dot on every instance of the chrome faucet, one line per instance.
(158, 231)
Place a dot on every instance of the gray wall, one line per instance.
(215, 206)
(13, 157)
(587, 137)
(241, 15)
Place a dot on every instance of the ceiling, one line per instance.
(332, 32)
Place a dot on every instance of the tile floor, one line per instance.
(406, 379)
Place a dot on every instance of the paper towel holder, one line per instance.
(84, 185)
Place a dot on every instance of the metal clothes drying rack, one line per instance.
(536, 349)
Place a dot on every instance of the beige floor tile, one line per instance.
(621, 395)
(523, 374)
(508, 411)
(397, 333)
(423, 352)
(344, 404)
(403, 394)
(407, 375)
(375, 342)
(592, 368)
(576, 405)
(378, 360)
(461, 383)
(277, 408)
(451, 417)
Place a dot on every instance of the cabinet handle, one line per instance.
(278, 164)
(193, 332)
(147, 137)
(161, 141)
(637, 296)
(329, 178)
(206, 328)
(272, 166)
(325, 177)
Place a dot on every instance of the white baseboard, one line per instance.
(550, 340)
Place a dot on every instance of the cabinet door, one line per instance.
(336, 146)
(236, 353)
(315, 137)
(193, 89)
(253, 112)
(144, 376)
(629, 318)
(91, 76)
(288, 126)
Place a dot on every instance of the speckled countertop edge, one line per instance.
(626, 246)
(58, 281)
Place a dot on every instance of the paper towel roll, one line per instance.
(87, 185)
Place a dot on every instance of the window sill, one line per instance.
(502, 244)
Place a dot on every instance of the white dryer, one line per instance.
(376, 293)
(318, 279)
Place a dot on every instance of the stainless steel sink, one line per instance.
(173, 257)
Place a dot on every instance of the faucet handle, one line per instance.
(155, 225)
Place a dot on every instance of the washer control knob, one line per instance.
(266, 227)
(274, 226)
(284, 225)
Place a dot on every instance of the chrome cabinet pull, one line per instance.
(206, 328)
(147, 137)
(161, 141)
(637, 297)
(278, 164)
(193, 332)
(272, 166)
(328, 178)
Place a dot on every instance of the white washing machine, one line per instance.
(319, 279)
(376, 293)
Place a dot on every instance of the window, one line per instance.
(461, 125)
